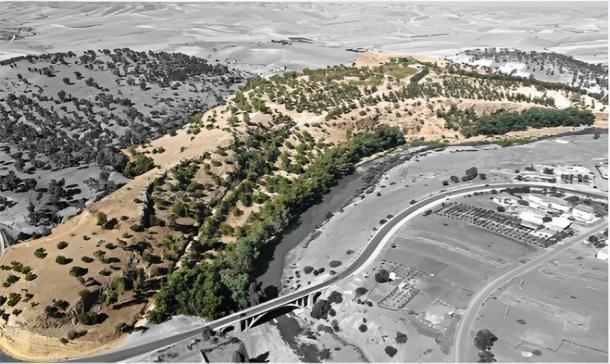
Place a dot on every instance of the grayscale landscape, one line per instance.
(304, 182)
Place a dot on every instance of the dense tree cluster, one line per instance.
(504, 122)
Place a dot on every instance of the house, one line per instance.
(602, 254)
(558, 223)
(531, 219)
(584, 213)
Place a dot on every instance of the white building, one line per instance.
(530, 219)
(602, 253)
(558, 223)
(584, 213)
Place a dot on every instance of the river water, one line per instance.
(333, 201)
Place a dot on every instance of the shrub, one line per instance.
(121, 285)
(484, 339)
(335, 297)
(62, 245)
(40, 253)
(307, 269)
(13, 299)
(57, 309)
(102, 219)
(360, 291)
(334, 263)
(362, 328)
(110, 224)
(390, 350)
(30, 276)
(87, 259)
(62, 260)
(382, 276)
(401, 338)
(78, 271)
(87, 318)
(10, 280)
(137, 228)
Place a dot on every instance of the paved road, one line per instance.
(366, 256)
(463, 339)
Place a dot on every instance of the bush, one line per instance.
(137, 228)
(30, 276)
(307, 269)
(484, 339)
(40, 253)
(360, 291)
(362, 328)
(390, 350)
(121, 284)
(13, 299)
(335, 297)
(78, 271)
(401, 338)
(334, 263)
(62, 245)
(110, 224)
(62, 260)
(10, 280)
(87, 318)
(382, 276)
(102, 219)
(87, 259)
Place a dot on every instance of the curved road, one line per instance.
(368, 254)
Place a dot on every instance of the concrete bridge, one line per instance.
(254, 316)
